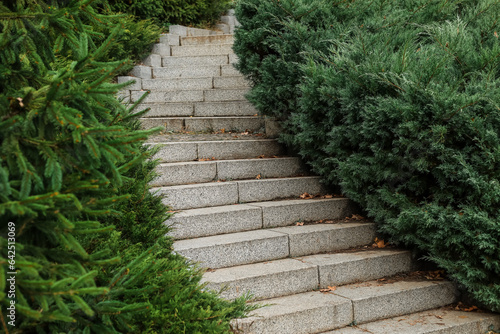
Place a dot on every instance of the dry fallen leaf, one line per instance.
(328, 289)
(379, 243)
(258, 177)
(306, 196)
(299, 224)
(357, 217)
(328, 196)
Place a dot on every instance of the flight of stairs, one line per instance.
(240, 214)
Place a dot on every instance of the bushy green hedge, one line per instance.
(72, 167)
(399, 103)
(163, 12)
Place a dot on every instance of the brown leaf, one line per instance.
(379, 243)
(439, 317)
(357, 217)
(258, 177)
(328, 196)
(299, 224)
(306, 196)
(328, 289)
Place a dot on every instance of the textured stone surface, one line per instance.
(140, 71)
(174, 152)
(439, 321)
(178, 30)
(204, 222)
(283, 213)
(199, 195)
(273, 128)
(223, 27)
(172, 72)
(264, 280)
(215, 95)
(235, 123)
(230, 108)
(170, 39)
(238, 149)
(133, 86)
(373, 301)
(177, 173)
(213, 39)
(345, 268)
(202, 50)
(234, 249)
(230, 82)
(262, 168)
(178, 84)
(309, 312)
(168, 124)
(162, 49)
(229, 70)
(270, 189)
(152, 60)
(233, 58)
(318, 238)
(168, 109)
(195, 61)
(169, 96)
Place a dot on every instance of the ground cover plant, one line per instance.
(398, 102)
(72, 168)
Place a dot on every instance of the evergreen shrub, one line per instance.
(401, 109)
(70, 162)
(165, 12)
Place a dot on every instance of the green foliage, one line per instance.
(163, 12)
(398, 102)
(68, 158)
(177, 304)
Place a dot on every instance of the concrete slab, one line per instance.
(178, 173)
(137, 85)
(168, 109)
(213, 39)
(230, 82)
(199, 195)
(152, 60)
(234, 249)
(230, 108)
(234, 123)
(319, 238)
(169, 96)
(195, 223)
(218, 95)
(229, 70)
(264, 280)
(238, 149)
(140, 71)
(284, 213)
(271, 189)
(170, 39)
(309, 312)
(262, 168)
(195, 60)
(345, 268)
(201, 50)
(173, 72)
(373, 300)
(175, 84)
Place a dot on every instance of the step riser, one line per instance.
(201, 50)
(238, 218)
(290, 276)
(255, 246)
(210, 95)
(211, 125)
(285, 314)
(225, 193)
(229, 70)
(202, 40)
(212, 252)
(200, 109)
(205, 222)
(202, 83)
(207, 171)
(217, 150)
(230, 82)
(186, 72)
(196, 61)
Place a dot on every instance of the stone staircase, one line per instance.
(240, 214)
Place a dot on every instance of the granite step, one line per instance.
(206, 124)
(195, 223)
(203, 195)
(240, 248)
(216, 149)
(291, 276)
(195, 60)
(202, 40)
(435, 321)
(316, 312)
(201, 50)
(199, 109)
(189, 95)
(178, 173)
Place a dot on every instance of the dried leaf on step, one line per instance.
(329, 289)
(379, 243)
(258, 177)
(306, 196)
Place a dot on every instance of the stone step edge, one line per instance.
(435, 321)
(306, 273)
(345, 306)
